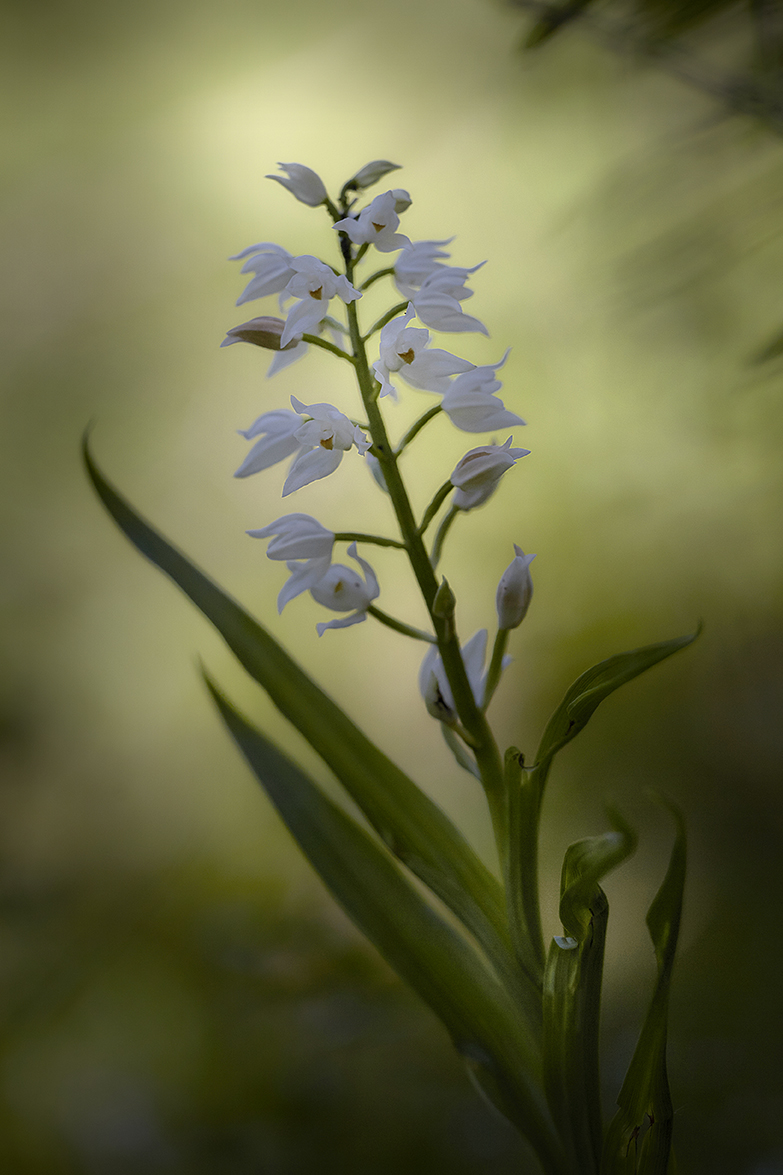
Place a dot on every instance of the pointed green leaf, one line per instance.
(438, 962)
(572, 994)
(524, 909)
(588, 691)
(638, 1141)
(411, 824)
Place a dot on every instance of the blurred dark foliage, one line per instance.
(732, 51)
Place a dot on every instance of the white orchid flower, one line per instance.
(343, 590)
(476, 475)
(298, 537)
(438, 301)
(323, 438)
(277, 431)
(416, 263)
(470, 402)
(515, 590)
(405, 349)
(302, 182)
(377, 223)
(434, 685)
(314, 284)
(272, 266)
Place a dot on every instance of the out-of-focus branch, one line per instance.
(755, 93)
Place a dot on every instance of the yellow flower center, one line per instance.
(407, 356)
(317, 293)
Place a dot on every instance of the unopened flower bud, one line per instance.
(263, 332)
(371, 173)
(402, 200)
(515, 590)
(301, 182)
(476, 476)
(445, 601)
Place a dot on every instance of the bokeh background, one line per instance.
(178, 994)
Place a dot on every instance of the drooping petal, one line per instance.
(303, 576)
(440, 311)
(431, 369)
(311, 465)
(303, 318)
(340, 622)
(296, 536)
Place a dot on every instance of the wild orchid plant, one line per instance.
(523, 1015)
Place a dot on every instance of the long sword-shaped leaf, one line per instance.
(572, 994)
(588, 691)
(438, 962)
(638, 1141)
(411, 824)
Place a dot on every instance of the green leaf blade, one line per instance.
(592, 687)
(639, 1138)
(435, 959)
(572, 994)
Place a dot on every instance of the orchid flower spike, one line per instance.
(377, 223)
(302, 182)
(476, 476)
(470, 402)
(405, 349)
(343, 589)
(515, 590)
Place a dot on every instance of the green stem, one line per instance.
(332, 210)
(435, 505)
(400, 626)
(376, 277)
(316, 341)
(440, 537)
(475, 723)
(495, 665)
(384, 319)
(416, 428)
(349, 536)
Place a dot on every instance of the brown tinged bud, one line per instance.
(262, 332)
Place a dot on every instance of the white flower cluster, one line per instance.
(318, 435)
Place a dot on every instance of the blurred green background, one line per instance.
(177, 992)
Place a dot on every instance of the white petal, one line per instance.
(303, 576)
(369, 575)
(303, 318)
(473, 654)
(266, 453)
(341, 622)
(311, 465)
